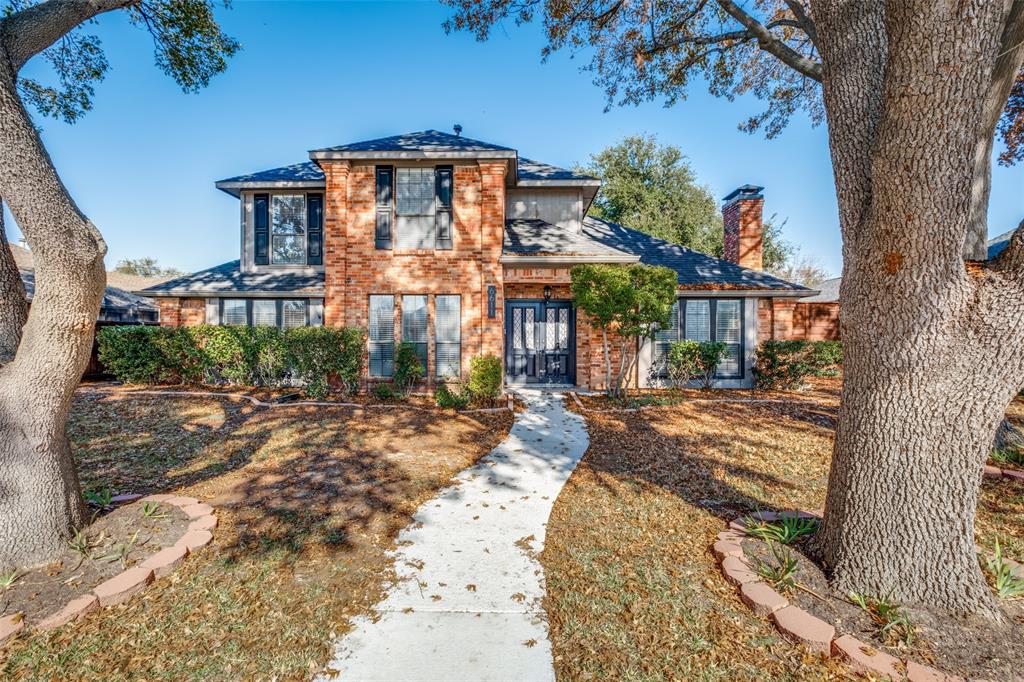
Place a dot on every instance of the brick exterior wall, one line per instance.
(789, 320)
(183, 312)
(743, 233)
(355, 269)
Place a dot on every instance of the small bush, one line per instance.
(316, 354)
(132, 354)
(485, 377)
(386, 392)
(682, 361)
(449, 399)
(786, 365)
(709, 356)
(408, 368)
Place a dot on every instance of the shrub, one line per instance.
(787, 364)
(131, 353)
(682, 361)
(386, 392)
(260, 356)
(485, 377)
(709, 357)
(315, 354)
(446, 398)
(408, 368)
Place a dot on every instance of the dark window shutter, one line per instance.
(443, 210)
(385, 202)
(315, 229)
(261, 229)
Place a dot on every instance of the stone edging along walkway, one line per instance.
(299, 403)
(996, 472)
(129, 582)
(800, 626)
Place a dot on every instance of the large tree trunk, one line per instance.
(13, 304)
(40, 501)
(932, 353)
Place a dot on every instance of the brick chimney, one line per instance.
(741, 218)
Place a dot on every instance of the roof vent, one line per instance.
(458, 129)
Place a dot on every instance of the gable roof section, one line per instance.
(424, 141)
(307, 175)
(537, 170)
(997, 244)
(828, 292)
(694, 270)
(534, 241)
(228, 278)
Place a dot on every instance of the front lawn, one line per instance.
(634, 592)
(309, 500)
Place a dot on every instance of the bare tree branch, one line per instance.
(28, 32)
(769, 43)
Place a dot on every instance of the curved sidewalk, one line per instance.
(467, 605)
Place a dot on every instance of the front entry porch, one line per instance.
(540, 342)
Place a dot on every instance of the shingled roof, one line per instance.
(535, 238)
(424, 140)
(694, 270)
(228, 278)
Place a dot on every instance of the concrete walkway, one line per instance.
(467, 605)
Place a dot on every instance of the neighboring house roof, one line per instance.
(537, 170)
(118, 299)
(424, 140)
(534, 240)
(228, 278)
(828, 292)
(695, 270)
(997, 244)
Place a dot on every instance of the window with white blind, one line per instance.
(264, 313)
(700, 319)
(448, 336)
(293, 314)
(235, 311)
(288, 229)
(414, 208)
(382, 336)
(414, 325)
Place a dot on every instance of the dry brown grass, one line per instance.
(634, 592)
(309, 500)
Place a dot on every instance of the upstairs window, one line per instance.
(414, 208)
(288, 229)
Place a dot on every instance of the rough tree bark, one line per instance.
(13, 304)
(933, 350)
(40, 499)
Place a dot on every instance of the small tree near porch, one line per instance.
(629, 302)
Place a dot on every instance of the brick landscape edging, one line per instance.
(129, 582)
(798, 625)
(996, 472)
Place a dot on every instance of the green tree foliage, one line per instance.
(188, 46)
(652, 188)
(627, 302)
(145, 267)
(485, 378)
(408, 368)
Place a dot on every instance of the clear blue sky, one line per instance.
(312, 74)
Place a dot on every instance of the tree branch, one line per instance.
(804, 20)
(28, 32)
(772, 45)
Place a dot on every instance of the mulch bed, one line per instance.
(972, 647)
(114, 541)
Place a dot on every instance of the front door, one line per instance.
(540, 342)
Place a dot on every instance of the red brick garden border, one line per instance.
(129, 582)
(800, 626)
(996, 472)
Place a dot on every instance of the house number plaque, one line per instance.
(492, 300)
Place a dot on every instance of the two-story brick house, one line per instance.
(464, 248)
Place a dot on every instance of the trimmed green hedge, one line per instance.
(250, 356)
(787, 364)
